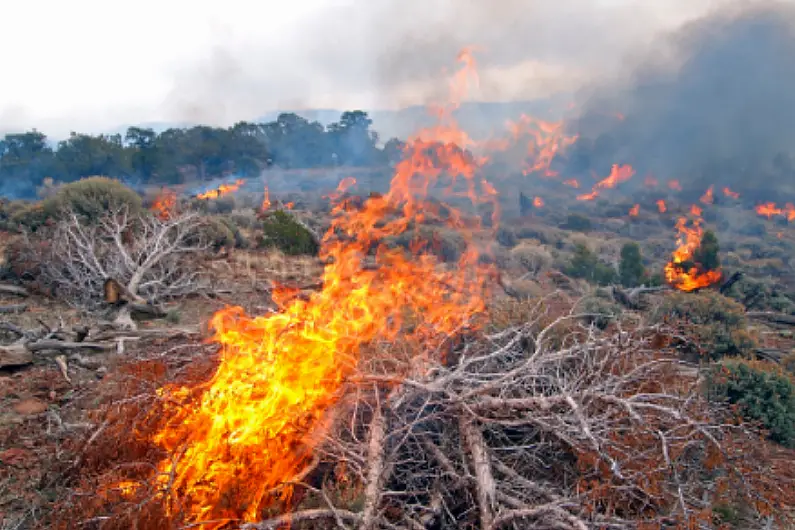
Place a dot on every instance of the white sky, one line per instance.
(94, 65)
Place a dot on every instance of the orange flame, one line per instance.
(681, 272)
(546, 140)
(572, 183)
(729, 193)
(708, 197)
(634, 211)
(661, 206)
(266, 200)
(538, 202)
(769, 209)
(255, 424)
(165, 204)
(223, 189)
(618, 174)
(674, 185)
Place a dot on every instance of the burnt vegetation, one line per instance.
(544, 368)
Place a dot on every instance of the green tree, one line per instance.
(707, 253)
(630, 269)
(586, 265)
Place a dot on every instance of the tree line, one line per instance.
(177, 155)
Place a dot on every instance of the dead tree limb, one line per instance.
(302, 516)
(14, 290)
(15, 354)
(375, 470)
(13, 308)
(485, 485)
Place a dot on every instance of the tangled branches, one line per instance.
(149, 256)
(560, 427)
(550, 424)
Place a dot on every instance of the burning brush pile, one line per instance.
(390, 399)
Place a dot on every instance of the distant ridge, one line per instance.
(479, 119)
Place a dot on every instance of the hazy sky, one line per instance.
(94, 65)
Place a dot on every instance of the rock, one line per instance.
(30, 407)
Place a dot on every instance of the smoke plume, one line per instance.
(714, 105)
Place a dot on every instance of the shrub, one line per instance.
(716, 324)
(630, 269)
(761, 395)
(532, 258)
(707, 252)
(282, 231)
(506, 237)
(447, 245)
(577, 222)
(91, 197)
(601, 310)
(30, 217)
(585, 264)
(221, 205)
(215, 232)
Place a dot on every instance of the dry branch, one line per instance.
(14, 290)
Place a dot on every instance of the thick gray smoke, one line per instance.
(716, 105)
(391, 53)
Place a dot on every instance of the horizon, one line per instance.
(217, 64)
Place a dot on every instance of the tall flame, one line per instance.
(634, 211)
(661, 206)
(254, 425)
(682, 272)
(221, 190)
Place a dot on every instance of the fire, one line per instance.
(618, 174)
(731, 194)
(650, 181)
(546, 140)
(253, 427)
(682, 272)
(165, 204)
(572, 183)
(538, 202)
(674, 185)
(696, 211)
(708, 197)
(661, 206)
(223, 189)
(634, 211)
(769, 209)
(266, 201)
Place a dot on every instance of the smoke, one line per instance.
(714, 105)
(392, 54)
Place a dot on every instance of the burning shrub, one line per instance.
(281, 230)
(91, 198)
(716, 323)
(707, 252)
(762, 394)
(447, 245)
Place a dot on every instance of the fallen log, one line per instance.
(770, 354)
(776, 318)
(13, 289)
(631, 298)
(13, 308)
(62, 346)
(734, 278)
(15, 354)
